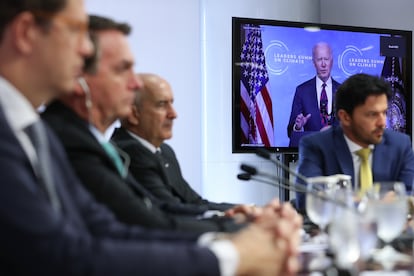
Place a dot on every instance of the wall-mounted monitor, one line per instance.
(271, 59)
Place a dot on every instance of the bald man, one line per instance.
(142, 136)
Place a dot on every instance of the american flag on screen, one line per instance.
(256, 105)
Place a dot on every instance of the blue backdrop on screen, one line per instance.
(288, 54)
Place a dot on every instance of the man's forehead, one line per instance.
(75, 7)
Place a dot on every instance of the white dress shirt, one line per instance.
(11, 100)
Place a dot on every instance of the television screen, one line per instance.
(273, 64)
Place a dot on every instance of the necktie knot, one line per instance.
(363, 153)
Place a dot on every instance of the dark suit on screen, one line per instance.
(84, 238)
(327, 153)
(126, 198)
(305, 101)
(160, 173)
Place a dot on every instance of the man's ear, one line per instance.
(24, 32)
(133, 117)
(344, 117)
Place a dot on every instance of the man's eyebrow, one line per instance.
(125, 64)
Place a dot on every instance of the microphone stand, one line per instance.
(266, 155)
(280, 182)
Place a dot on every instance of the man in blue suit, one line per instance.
(49, 224)
(312, 107)
(361, 102)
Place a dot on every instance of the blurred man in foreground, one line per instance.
(49, 224)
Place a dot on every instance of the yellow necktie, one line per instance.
(365, 173)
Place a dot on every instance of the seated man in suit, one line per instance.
(361, 103)
(50, 225)
(142, 136)
(81, 119)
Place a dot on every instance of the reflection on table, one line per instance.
(312, 250)
(367, 229)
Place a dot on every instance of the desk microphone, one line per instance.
(266, 155)
(252, 173)
(248, 176)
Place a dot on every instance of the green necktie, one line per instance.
(113, 154)
(365, 173)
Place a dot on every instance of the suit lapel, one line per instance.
(126, 141)
(170, 173)
(62, 175)
(380, 151)
(342, 154)
(313, 97)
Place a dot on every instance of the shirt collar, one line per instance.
(144, 142)
(98, 135)
(353, 147)
(11, 100)
(319, 82)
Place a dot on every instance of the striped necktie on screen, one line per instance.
(323, 106)
(365, 173)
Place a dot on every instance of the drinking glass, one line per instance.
(320, 206)
(389, 200)
(352, 237)
(344, 239)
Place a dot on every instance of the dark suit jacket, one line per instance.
(305, 101)
(84, 239)
(160, 174)
(127, 198)
(326, 153)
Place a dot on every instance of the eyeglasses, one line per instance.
(75, 26)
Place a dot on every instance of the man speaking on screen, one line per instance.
(312, 107)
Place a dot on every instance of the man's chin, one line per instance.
(65, 89)
(377, 140)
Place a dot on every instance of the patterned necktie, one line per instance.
(365, 173)
(37, 135)
(323, 107)
(116, 159)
